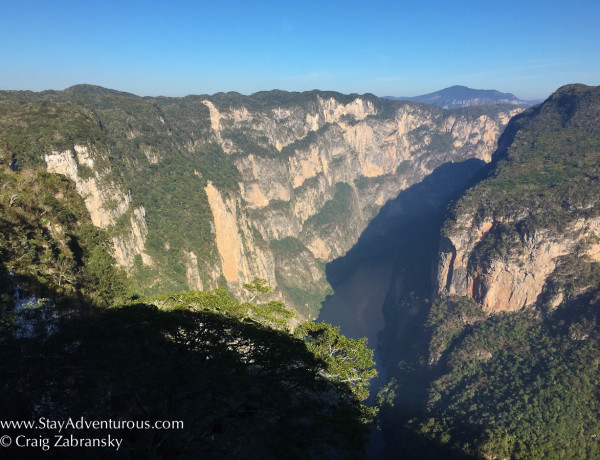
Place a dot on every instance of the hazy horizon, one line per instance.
(152, 48)
(249, 94)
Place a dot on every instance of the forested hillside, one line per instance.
(207, 191)
(50, 248)
(248, 380)
(113, 207)
(503, 362)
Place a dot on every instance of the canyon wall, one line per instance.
(513, 277)
(529, 232)
(318, 173)
(209, 190)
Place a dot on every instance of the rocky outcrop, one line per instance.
(507, 279)
(241, 261)
(291, 192)
(130, 243)
(192, 273)
(315, 167)
(377, 157)
(229, 241)
(532, 225)
(104, 200)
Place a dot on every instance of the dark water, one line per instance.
(356, 307)
(356, 303)
(363, 278)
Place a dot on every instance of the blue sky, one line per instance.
(399, 48)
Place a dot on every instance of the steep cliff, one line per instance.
(316, 167)
(196, 190)
(501, 359)
(52, 258)
(510, 235)
(105, 201)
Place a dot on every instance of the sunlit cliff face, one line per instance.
(316, 172)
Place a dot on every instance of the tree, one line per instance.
(256, 287)
(242, 390)
(346, 361)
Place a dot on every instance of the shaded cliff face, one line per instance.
(502, 362)
(200, 191)
(510, 238)
(385, 253)
(329, 143)
(319, 170)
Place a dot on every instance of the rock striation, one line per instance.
(320, 172)
(510, 238)
(209, 190)
(515, 278)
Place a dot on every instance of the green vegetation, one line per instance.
(446, 322)
(573, 275)
(334, 211)
(146, 146)
(49, 246)
(268, 100)
(515, 385)
(547, 165)
(366, 182)
(346, 361)
(295, 264)
(289, 245)
(242, 388)
(307, 300)
(162, 152)
(522, 385)
(247, 145)
(30, 128)
(244, 383)
(305, 142)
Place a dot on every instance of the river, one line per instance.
(398, 236)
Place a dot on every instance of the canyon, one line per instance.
(463, 244)
(280, 183)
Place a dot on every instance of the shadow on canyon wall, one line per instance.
(391, 261)
(362, 277)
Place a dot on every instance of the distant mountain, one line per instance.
(461, 96)
(94, 90)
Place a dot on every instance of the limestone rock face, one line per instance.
(192, 273)
(104, 200)
(314, 169)
(294, 192)
(131, 243)
(240, 261)
(528, 232)
(376, 157)
(510, 280)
